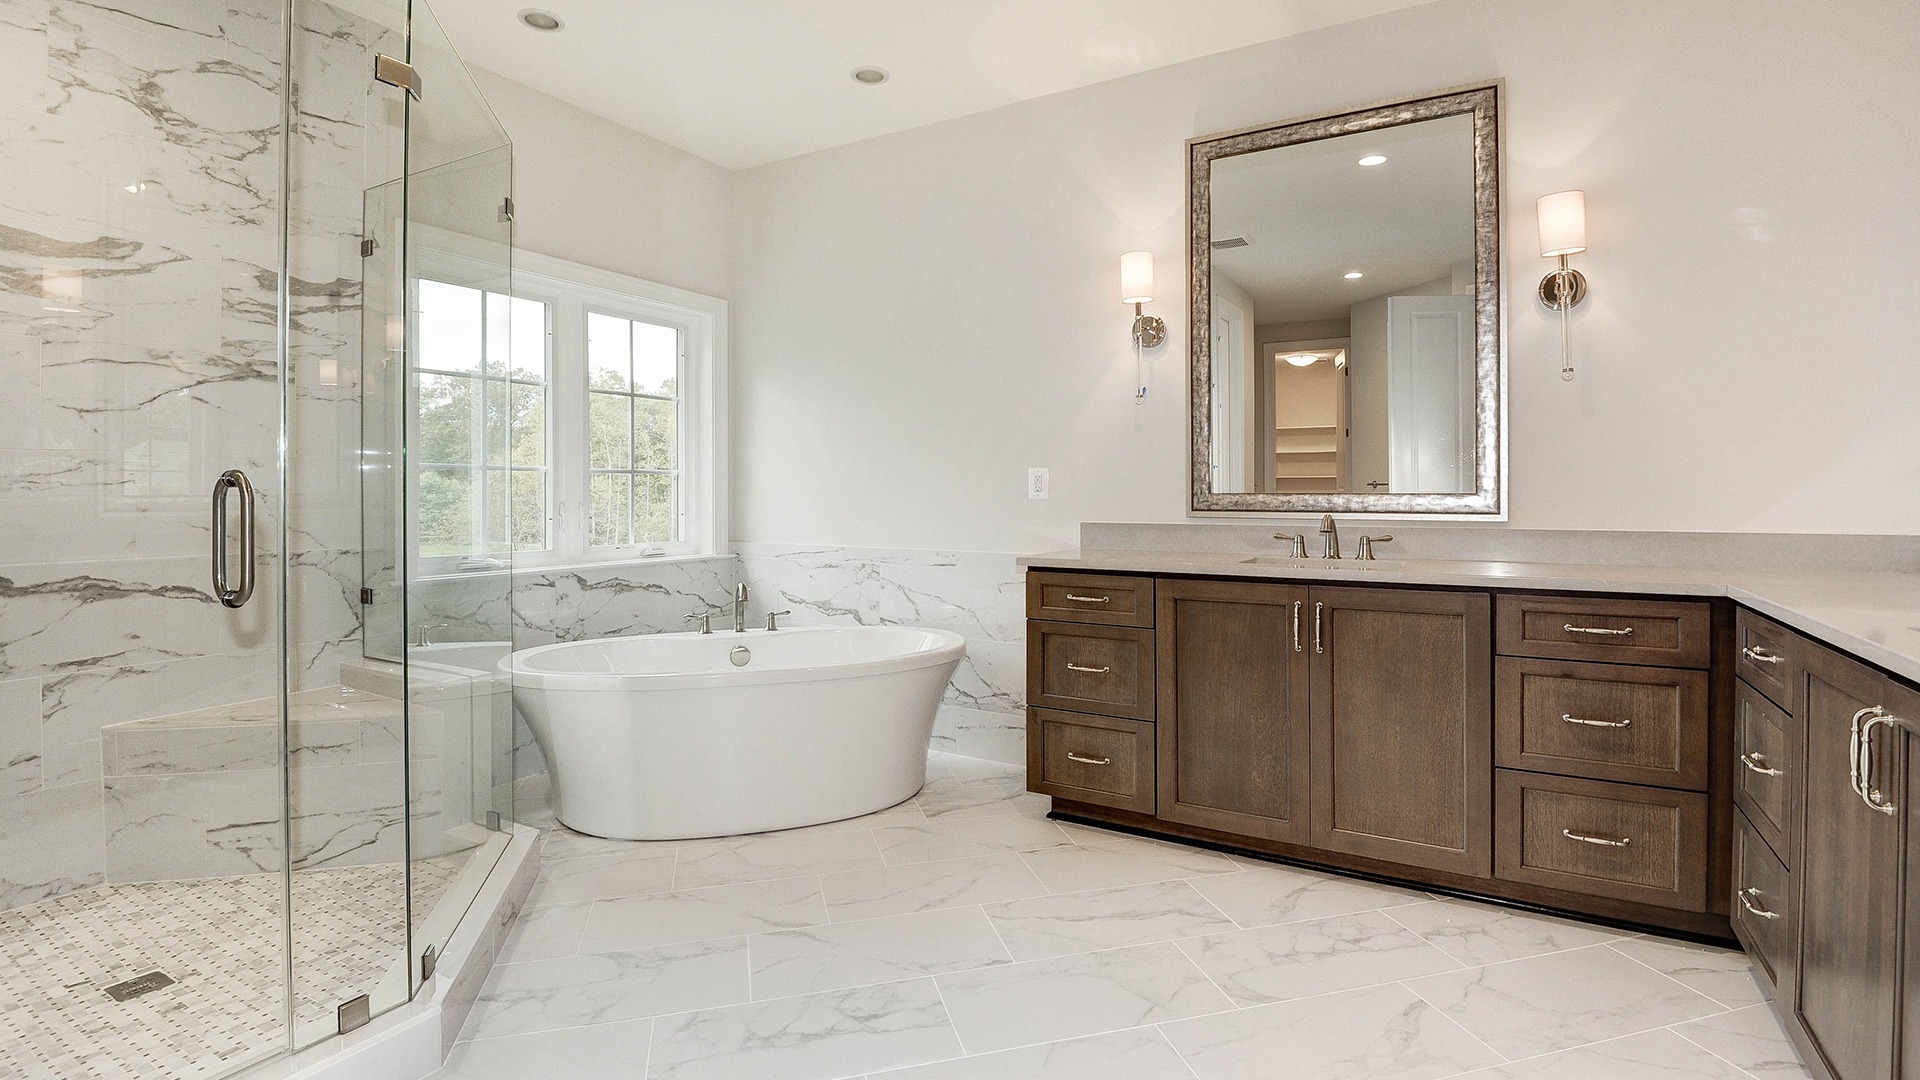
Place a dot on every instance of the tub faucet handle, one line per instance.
(773, 619)
(705, 619)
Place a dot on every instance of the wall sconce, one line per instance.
(1563, 232)
(1149, 331)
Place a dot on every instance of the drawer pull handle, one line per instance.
(1089, 599)
(1599, 840)
(1071, 756)
(1583, 722)
(1071, 666)
(1746, 901)
(1760, 656)
(1755, 763)
(1600, 630)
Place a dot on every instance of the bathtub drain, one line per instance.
(740, 655)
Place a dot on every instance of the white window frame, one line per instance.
(571, 290)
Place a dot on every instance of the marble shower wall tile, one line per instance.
(979, 595)
(50, 843)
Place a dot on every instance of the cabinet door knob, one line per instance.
(1071, 756)
(1599, 840)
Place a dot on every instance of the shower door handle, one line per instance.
(229, 594)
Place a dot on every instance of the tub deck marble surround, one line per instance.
(964, 936)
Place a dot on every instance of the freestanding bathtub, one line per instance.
(672, 736)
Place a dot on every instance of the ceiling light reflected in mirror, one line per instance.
(1373, 159)
(869, 76)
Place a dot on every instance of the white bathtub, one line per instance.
(672, 736)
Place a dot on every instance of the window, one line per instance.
(576, 421)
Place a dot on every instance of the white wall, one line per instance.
(923, 316)
(591, 191)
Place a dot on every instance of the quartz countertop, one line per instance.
(1873, 615)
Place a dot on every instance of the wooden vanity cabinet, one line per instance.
(1402, 744)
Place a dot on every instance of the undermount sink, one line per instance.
(1326, 564)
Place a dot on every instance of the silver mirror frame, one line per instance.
(1488, 497)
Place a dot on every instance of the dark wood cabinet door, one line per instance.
(1848, 867)
(1909, 1067)
(1232, 722)
(1402, 726)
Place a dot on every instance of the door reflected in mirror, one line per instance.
(1351, 342)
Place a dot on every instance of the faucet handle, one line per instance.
(1366, 545)
(1299, 543)
(705, 619)
(773, 619)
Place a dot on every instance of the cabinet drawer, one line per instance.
(1101, 599)
(1767, 658)
(1655, 632)
(1763, 783)
(1093, 759)
(1762, 902)
(1647, 845)
(1092, 669)
(1644, 725)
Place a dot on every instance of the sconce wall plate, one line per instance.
(1561, 282)
(1149, 331)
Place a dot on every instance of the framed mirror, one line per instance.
(1346, 312)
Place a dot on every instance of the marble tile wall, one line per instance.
(978, 595)
(138, 246)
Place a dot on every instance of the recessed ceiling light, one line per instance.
(544, 21)
(1305, 359)
(871, 76)
(1354, 275)
(1373, 159)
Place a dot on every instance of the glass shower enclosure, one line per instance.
(254, 762)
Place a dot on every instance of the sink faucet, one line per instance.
(740, 608)
(1328, 530)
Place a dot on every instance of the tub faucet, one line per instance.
(740, 608)
(1332, 533)
(423, 637)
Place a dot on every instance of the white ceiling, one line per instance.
(1311, 213)
(746, 82)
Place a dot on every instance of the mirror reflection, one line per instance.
(1343, 313)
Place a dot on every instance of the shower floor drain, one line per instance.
(139, 984)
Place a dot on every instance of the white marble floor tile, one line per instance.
(813, 1037)
(1296, 960)
(597, 988)
(701, 914)
(1751, 1038)
(944, 797)
(1560, 1000)
(1046, 926)
(1134, 1054)
(896, 890)
(603, 1052)
(601, 877)
(1068, 996)
(963, 838)
(1650, 1055)
(768, 856)
(971, 768)
(1123, 862)
(561, 843)
(1724, 975)
(891, 949)
(1278, 894)
(1479, 934)
(1382, 1033)
(906, 813)
(545, 932)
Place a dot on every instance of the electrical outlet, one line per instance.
(1036, 483)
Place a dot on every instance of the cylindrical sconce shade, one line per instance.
(1136, 277)
(1563, 223)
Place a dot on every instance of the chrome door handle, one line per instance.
(1089, 599)
(1870, 794)
(1760, 657)
(1745, 896)
(1296, 626)
(1755, 763)
(1071, 756)
(229, 594)
(1600, 840)
(1595, 723)
(1600, 630)
(1071, 666)
(1316, 628)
